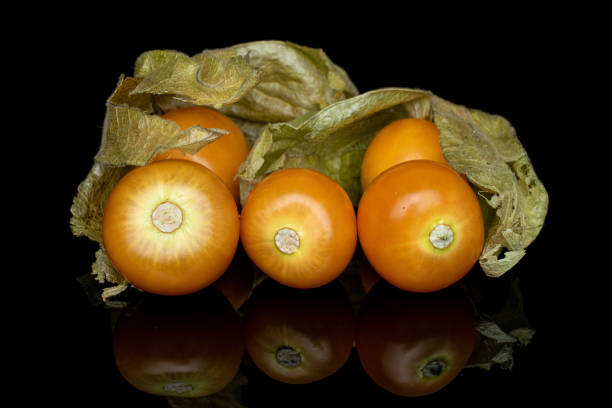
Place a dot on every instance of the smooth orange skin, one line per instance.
(400, 208)
(194, 340)
(179, 262)
(400, 141)
(313, 205)
(436, 326)
(318, 323)
(223, 156)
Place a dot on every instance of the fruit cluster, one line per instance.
(172, 227)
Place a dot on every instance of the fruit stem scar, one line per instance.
(288, 357)
(178, 388)
(434, 368)
(287, 240)
(167, 217)
(441, 236)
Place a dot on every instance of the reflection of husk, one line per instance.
(502, 331)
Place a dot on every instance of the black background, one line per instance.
(502, 66)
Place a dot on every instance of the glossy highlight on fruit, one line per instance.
(299, 227)
(223, 156)
(298, 336)
(186, 346)
(420, 226)
(171, 227)
(399, 141)
(423, 353)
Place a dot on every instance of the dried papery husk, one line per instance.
(486, 148)
(130, 137)
(332, 140)
(483, 146)
(305, 112)
(253, 83)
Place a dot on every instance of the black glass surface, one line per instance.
(317, 316)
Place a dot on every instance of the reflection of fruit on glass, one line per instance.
(414, 344)
(400, 141)
(299, 336)
(186, 346)
(237, 281)
(367, 275)
(223, 156)
(420, 226)
(170, 227)
(299, 227)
